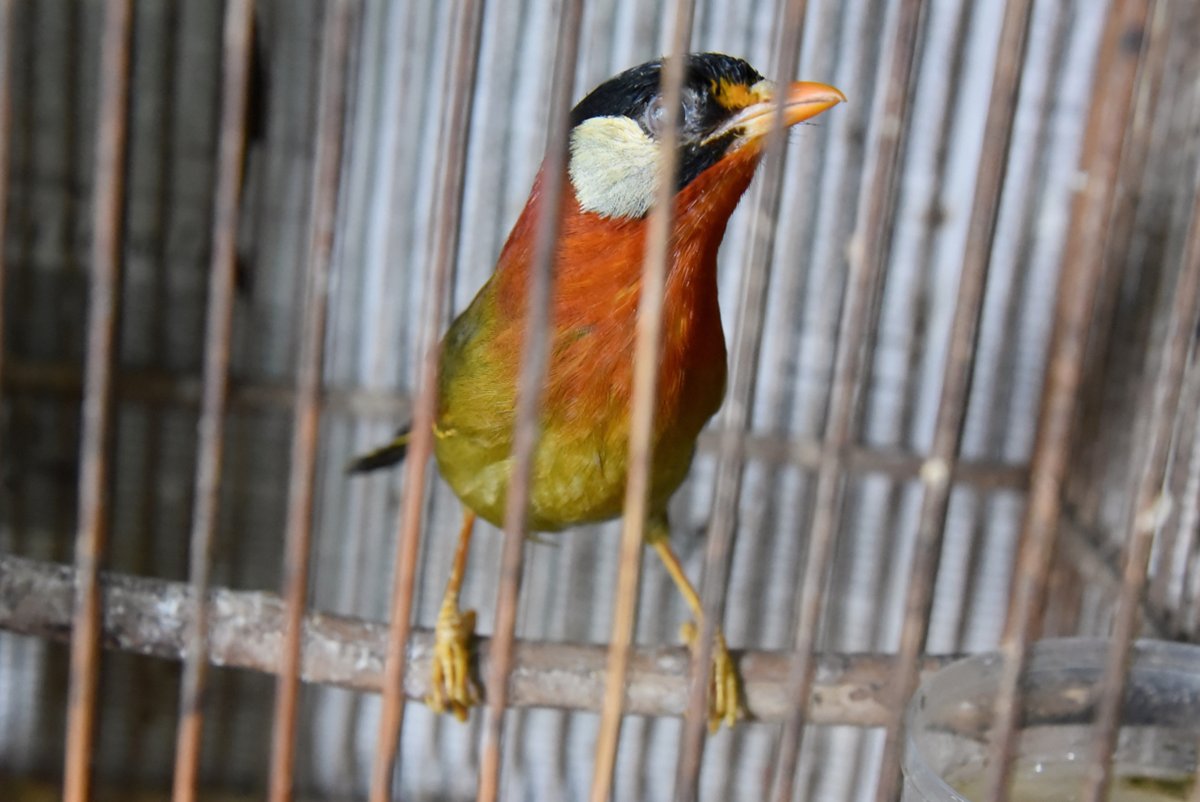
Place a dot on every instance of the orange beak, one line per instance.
(804, 100)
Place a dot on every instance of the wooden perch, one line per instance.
(151, 617)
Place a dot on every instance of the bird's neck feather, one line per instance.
(599, 268)
(596, 294)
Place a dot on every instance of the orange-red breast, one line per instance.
(580, 463)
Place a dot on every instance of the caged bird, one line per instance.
(580, 463)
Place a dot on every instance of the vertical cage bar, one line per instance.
(1033, 201)
(100, 355)
(1163, 575)
(1087, 496)
(868, 254)
(6, 38)
(644, 392)
(239, 18)
(301, 483)
(1082, 272)
(1183, 484)
(938, 470)
(459, 86)
(1188, 484)
(738, 405)
(534, 359)
(928, 242)
(1148, 508)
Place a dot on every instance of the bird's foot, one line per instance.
(724, 692)
(452, 689)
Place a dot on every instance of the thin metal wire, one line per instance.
(1148, 510)
(868, 254)
(956, 380)
(1083, 262)
(642, 402)
(239, 18)
(100, 356)
(756, 279)
(301, 483)
(534, 360)
(459, 87)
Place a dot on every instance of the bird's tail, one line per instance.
(382, 457)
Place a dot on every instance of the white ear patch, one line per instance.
(614, 167)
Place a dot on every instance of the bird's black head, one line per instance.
(616, 128)
(706, 99)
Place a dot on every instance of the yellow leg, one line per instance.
(452, 689)
(724, 694)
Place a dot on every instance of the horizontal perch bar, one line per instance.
(151, 616)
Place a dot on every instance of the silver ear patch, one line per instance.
(613, 167)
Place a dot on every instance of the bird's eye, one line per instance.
(654, 118)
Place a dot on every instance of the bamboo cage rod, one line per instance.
(1079, 281)
(97, 413)
(310, 367)
(535, 358)
(459, 82)
(1148, 512)
(956, 384)
(867, 257)
(6, 38)
(743, 386)
(238, 32)
(647, 339)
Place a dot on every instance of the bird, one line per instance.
(580, 463)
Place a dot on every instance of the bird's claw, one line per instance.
(724, 693)
(452, 689)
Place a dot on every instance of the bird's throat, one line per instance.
(599, 263)
(598, 277)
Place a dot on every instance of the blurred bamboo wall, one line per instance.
(395, 101)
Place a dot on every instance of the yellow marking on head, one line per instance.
(737, 96)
